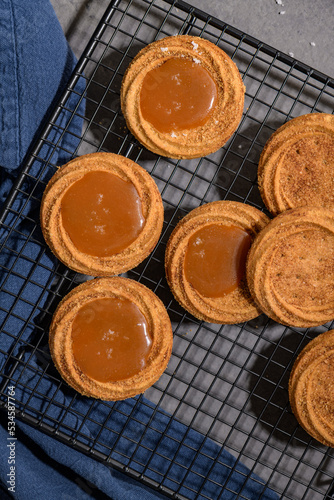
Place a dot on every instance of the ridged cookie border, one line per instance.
(275, 149)
(60, 339)
(313, 354)
(283, 226)
(222, 122)
(59, 241)
(235, 307)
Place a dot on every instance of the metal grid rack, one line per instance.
(225, 384)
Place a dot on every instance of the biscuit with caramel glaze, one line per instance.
(296, 164)
(61, 340)
(311, 388)
(221, 122)
(234, 305)
(290, 268)
(60, 216)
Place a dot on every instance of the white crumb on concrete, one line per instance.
(312, 44)
(291, 54)
(279, 2)
(282, 12)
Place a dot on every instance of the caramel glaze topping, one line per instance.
(110, 339)
(102, 213)
(180, 94)
(215, 259)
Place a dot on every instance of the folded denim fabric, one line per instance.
(36, 64)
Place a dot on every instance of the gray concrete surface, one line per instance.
(303, 28)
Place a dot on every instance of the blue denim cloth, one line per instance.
(36, 64)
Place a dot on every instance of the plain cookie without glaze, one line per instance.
(290, 267)
(311, 388)
(297, 163)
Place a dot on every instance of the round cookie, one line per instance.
(296, 164)
(224, 118)
(290, 267)
(61, 337)
(130, 175)
(235, 306)
(311, 386)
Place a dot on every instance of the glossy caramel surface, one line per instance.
(215, 259)
(110, 339)
(180, 94)
(102, 213)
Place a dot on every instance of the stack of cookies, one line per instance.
(290, 271)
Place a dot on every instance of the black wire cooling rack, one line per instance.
(225, 385)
